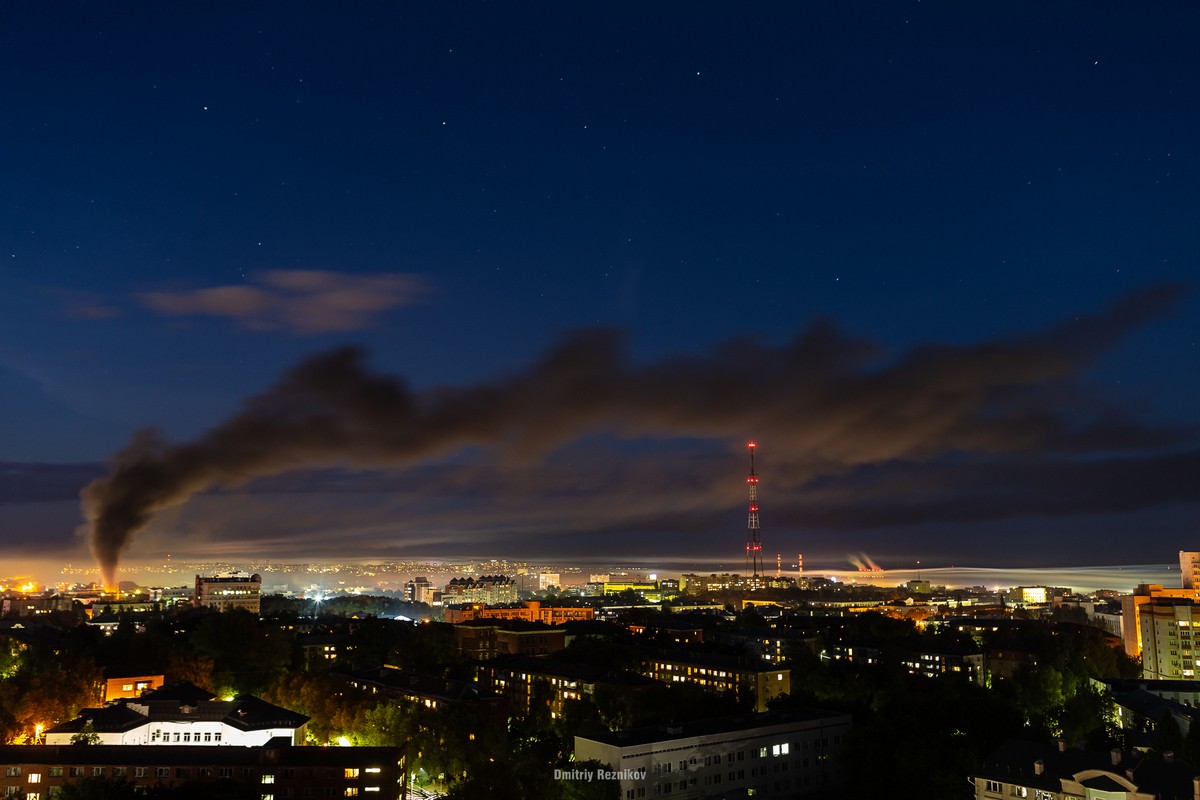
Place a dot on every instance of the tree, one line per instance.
(247, 655)
(87, 735)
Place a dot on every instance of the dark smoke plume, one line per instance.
(823, 398)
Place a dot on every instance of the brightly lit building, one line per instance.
(529, 611)
(1168, 649)
(775, 754)
(229, 590)
(127, 685)
(491, 590)
(183, 714)
(1131, 627)
(419, 590)
(1189, 569)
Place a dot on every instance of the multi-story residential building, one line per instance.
(519, 678)
(183, 714)
(41, 771)
(1189, 569)
(1053, 771)
(677, 635)
(229, 590)
(430, 691)
(419, 590)
(483, 639)
(319, 649)
(775, 754)
(1131, 627)
(1186, 693)
(1003, 665)
(1169, 649)
(749, 680)
(529, 611)
(771, 644)
(946, 661)
(490, 590)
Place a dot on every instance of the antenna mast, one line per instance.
(754, 564)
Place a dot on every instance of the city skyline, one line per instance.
(523, 282)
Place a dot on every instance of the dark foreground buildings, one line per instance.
(40, 771)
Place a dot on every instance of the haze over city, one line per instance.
(521, 281)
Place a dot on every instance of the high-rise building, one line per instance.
(1167, 638)
(419, 590)
(1189, 569)
(1131, 625)
(228, 590)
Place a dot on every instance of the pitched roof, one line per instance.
(1014, 763)
(183, 702)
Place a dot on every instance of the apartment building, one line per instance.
(775, 754)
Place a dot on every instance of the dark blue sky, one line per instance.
(199, 196)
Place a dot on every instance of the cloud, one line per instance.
(299, 301)
(826, 403)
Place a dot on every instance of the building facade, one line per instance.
(490, 590)
(747, 680)
(229, 590)
(1168, 648)
(183, 714)
(1053, 771)
(776, 754)
(40, 771)
(483, 639)
(529, 611)
(1189, 568)
(1131, 627)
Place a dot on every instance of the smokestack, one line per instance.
(1039, 767)
(1115, 754)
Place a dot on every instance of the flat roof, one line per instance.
(717, 725)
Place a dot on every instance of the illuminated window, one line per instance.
(371, 769)
(268, 779)
(35, 777)
(351, 791)
(350, 772)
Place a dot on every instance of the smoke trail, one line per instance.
(821, 397)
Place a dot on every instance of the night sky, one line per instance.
(495, 279)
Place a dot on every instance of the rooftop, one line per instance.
(720, 725)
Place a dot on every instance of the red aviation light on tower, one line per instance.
(753, 543)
